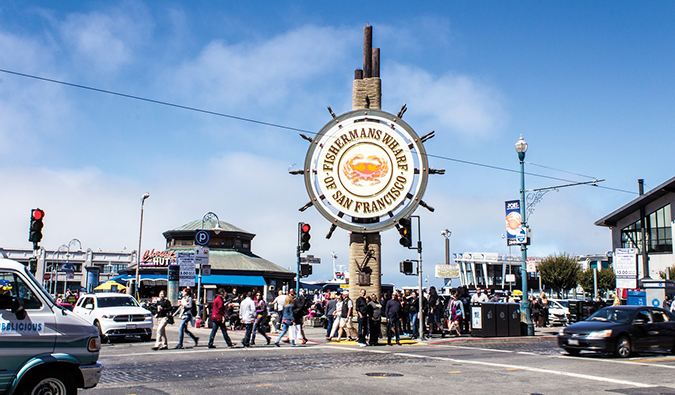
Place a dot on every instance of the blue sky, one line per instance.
(589, 85)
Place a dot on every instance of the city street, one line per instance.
(467, 365)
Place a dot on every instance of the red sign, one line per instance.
(158, 258)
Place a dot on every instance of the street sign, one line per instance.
(47, 276)
(310, 259)
(202, 237)
(510, 278)
(625, 269)
(187, 271)
(206, 270)
(531, 265)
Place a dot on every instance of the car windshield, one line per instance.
(564, 303)
(116, 301)
(611, 315)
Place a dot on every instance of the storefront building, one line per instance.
(232, 262)
(651, 211)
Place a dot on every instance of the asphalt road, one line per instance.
(532, 365)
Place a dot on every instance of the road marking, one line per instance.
(511, 367)
(627, 361)
(455, 371)
(264, 385)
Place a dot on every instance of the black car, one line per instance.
(621, 330)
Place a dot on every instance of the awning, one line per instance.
(310, 286)
(244, 281)
(143, 277)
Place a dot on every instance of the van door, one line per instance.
(21, 339)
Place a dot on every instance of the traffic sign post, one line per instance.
(202, 237)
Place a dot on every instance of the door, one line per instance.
(21, 339)
(645, 333)
(665, 329)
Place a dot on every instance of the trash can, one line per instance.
(576, 308)
(501, 320)
(483, 320)
(514, 319)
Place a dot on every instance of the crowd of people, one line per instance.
(362, 320)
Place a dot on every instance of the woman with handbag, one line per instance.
(185, 311)
(164, 317)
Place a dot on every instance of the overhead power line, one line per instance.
(275, 125)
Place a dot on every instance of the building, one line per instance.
(71, 268)
(651, 211)
(233, 263)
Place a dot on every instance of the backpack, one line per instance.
(193, 309)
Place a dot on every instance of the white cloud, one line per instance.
(460, 103)
(106, 41)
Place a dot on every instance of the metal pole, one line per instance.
(419, 269)
(297, 283)
(595, 282)
(199, 288)
(139, 253)
(524, 305)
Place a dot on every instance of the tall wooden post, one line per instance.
(365, 248)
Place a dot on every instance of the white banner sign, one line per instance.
(187, 272)
(447, 271)
(625, 267)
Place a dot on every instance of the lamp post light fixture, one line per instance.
(447, 233)
(521, 149)
(139, 254)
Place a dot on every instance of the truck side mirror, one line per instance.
(17, 308)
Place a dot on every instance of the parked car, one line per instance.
(622, 330)
(115, 315)
(45, 349)
(558, 312)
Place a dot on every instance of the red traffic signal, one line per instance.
(37, 214)
(304, 236)
(36, 225)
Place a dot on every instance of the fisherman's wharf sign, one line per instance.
(365, 170)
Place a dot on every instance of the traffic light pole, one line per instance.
(297, 283)
(420, 314)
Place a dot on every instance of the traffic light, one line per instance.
(405, 230)
(305, 270)
(407, 267)
(35, 235)
(304, 236)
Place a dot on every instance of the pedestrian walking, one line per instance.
(330, 314)
(164, 317)
(219, 319)
(374, 319)
(346, 318)
(247, 317)
(185, 311)
(456, 314)
(260, 316)
(392, 312)
(278, 305)
(337, 317)
(362, 318)
(286, 320)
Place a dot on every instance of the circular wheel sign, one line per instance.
(365, 170)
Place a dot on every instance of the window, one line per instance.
(20, 289)
(657, 229)
(660, 316)
(643, 315)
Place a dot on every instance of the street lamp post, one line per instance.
(521, 148)
(447, 233)
(210, 216)
(139, 253)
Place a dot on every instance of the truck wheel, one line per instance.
(47, 382)
(100, 332)
(146, 337)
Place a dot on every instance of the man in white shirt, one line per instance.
(279, 306)
(479, 297)
(247, 317)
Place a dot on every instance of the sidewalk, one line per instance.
(317, 335)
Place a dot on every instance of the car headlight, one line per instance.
(561, 332)
(108, 317)
(599, 334)
(148, 316)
